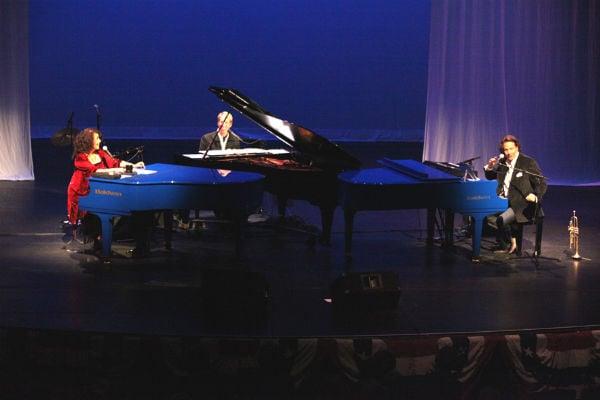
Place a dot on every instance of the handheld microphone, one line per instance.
(501, 159)
(105, 148)
(497, 163)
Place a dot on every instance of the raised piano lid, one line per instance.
(306, 143)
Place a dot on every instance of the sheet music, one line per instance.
(143, 171)
(237, 152)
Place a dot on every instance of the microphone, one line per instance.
(105, 148)
(97, 107)
(501, 159)
(494, 167)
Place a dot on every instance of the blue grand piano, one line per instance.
(164, 187)
(409, 184)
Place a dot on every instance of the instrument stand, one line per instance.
(570, 253)
(436, 226)
(534, 257)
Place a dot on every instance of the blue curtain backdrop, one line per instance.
(530, 68)
(345, 68)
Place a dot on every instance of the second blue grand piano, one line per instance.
(409, 184)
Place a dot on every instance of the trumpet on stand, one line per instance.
(574, 236)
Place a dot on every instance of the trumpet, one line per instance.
(574, 236)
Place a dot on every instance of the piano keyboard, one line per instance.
(236, 152)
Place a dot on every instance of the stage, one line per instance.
(442, 291)
(280, 286)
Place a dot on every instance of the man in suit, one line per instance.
(223, 138)
(520, 180)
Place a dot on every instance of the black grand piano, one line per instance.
(306, 170)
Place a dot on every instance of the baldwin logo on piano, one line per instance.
(478, 198)
(103, 192)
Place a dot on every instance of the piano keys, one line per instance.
(164, 187)
(247, 151)
(409, 184)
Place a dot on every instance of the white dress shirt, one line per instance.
(508, 176)
(223, 140)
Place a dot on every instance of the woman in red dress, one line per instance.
(89, 158)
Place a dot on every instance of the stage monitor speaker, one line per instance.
(370, 290)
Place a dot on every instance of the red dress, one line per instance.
(80, 184)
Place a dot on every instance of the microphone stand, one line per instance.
(70, 126)
(98, 117)
(135, 150)
(470, 160)
(247, 141)
(523, 171)
(469, 172)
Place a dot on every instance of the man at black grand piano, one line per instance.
(520, 180)
(305, 170)
(222, 138)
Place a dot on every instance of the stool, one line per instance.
(539, 225)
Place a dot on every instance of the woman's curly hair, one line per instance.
(84, 141)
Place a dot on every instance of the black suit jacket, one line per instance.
(521, 184)
(232, 143)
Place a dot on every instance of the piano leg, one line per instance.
(477, 228)
(142, 222)
(448, 228)
(281, 205)
(430, 225)
(106, 220)
(168, 227)
(238, 222)
(349, 226)
(326, 222)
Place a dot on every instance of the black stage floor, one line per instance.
(198, 289)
